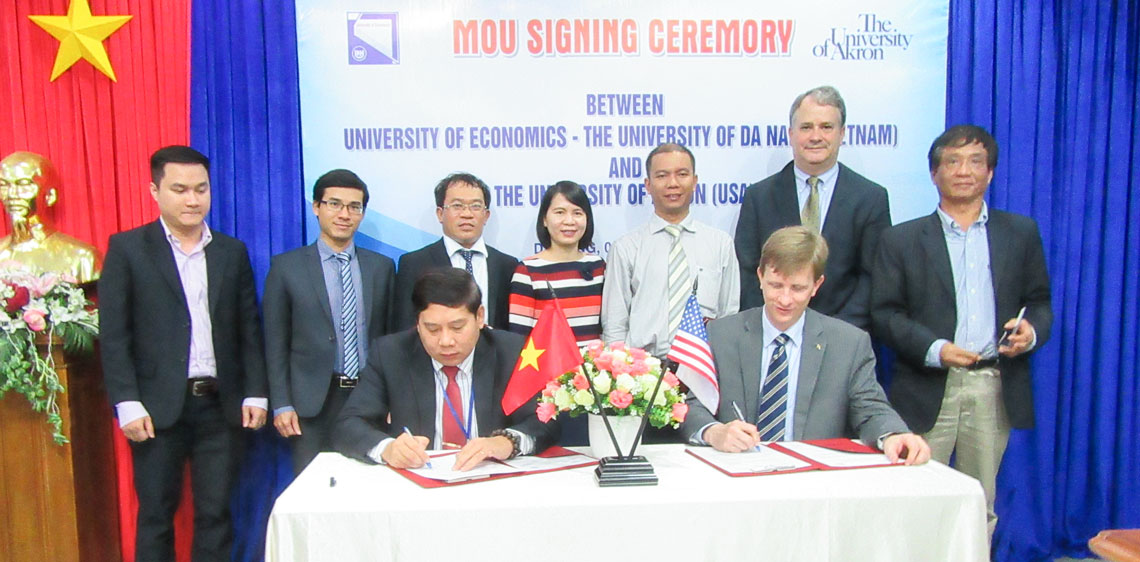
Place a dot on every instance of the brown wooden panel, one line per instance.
(58, 502)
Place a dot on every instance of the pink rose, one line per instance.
(604, 361)
(551, 388)
(671, 380)
(680, 410)
(621, 399)
(638, 367)
(595, 348)
(546, 411)
(638, 354)
(41, 286)
(580, 382)
(34, 318)
(618, 346)
(619, 367)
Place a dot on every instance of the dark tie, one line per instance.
(774, 396)
(348, 317)
(452, 431)
(467, 255)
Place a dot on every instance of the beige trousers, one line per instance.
(972, 423)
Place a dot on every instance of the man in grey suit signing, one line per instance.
(323, 304)
(793, 373)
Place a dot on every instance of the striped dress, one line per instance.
(578, 285)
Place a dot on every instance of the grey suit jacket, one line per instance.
(398, 382)
(300, 338)
(858, 215)
(837, 394)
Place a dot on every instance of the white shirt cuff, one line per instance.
(375, 452)
(526, 442)
(256, 402)
(129, 411)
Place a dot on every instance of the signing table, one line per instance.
(929, 512)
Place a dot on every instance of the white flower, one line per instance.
(625, 382)
(602, 384)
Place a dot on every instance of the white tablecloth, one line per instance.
(696, 513)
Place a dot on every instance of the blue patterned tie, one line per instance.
(467, 255)
(348, 317)
(774, 396)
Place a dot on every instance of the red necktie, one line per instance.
(452, 431)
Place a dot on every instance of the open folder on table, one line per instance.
(441, 472)
(779, 457)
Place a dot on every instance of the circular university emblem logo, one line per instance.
(359, 53)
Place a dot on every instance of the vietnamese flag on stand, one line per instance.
(551, 350)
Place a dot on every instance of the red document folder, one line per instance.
(552, 452)
(842, 445)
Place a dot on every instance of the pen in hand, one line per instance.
(409, 432)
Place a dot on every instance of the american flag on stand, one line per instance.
(691, 351)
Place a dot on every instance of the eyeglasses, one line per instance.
(460, 207)
(335, 205)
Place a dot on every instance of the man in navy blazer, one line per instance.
(852, 210)
(441, 384)
(182, 356)
(947, 289)
(462, 205)
(307, 340)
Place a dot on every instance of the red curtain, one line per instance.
(100, 134)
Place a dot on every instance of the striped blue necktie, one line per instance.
(774, 395)
(348, 317)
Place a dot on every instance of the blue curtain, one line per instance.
(1056, 83)
(245, 114)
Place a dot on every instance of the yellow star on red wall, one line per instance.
(80, 36)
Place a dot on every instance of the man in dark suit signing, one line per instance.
(441, 384)
(182, 356)
(323, 304)
(947, 288)
(793, 373)
(462, 205)
(816, 191)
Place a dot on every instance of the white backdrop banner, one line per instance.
(524, 94)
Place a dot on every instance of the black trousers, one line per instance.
(214, 449)
(316, 432)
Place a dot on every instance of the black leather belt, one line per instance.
(984, 364)
(344, 381)
(203, 386)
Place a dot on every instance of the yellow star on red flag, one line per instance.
(80, 36)
(529, 356)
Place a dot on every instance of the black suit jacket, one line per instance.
(913, 304)
(857, 216)
(300, 334)
(500, 269)
(399, 382)
(145, 324)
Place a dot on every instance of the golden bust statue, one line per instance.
(28, 184)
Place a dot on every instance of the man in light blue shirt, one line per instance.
(789, 373)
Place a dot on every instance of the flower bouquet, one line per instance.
(54, 309)
(624, 379)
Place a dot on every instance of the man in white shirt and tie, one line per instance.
(793, 373)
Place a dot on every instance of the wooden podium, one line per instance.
(59, 502)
